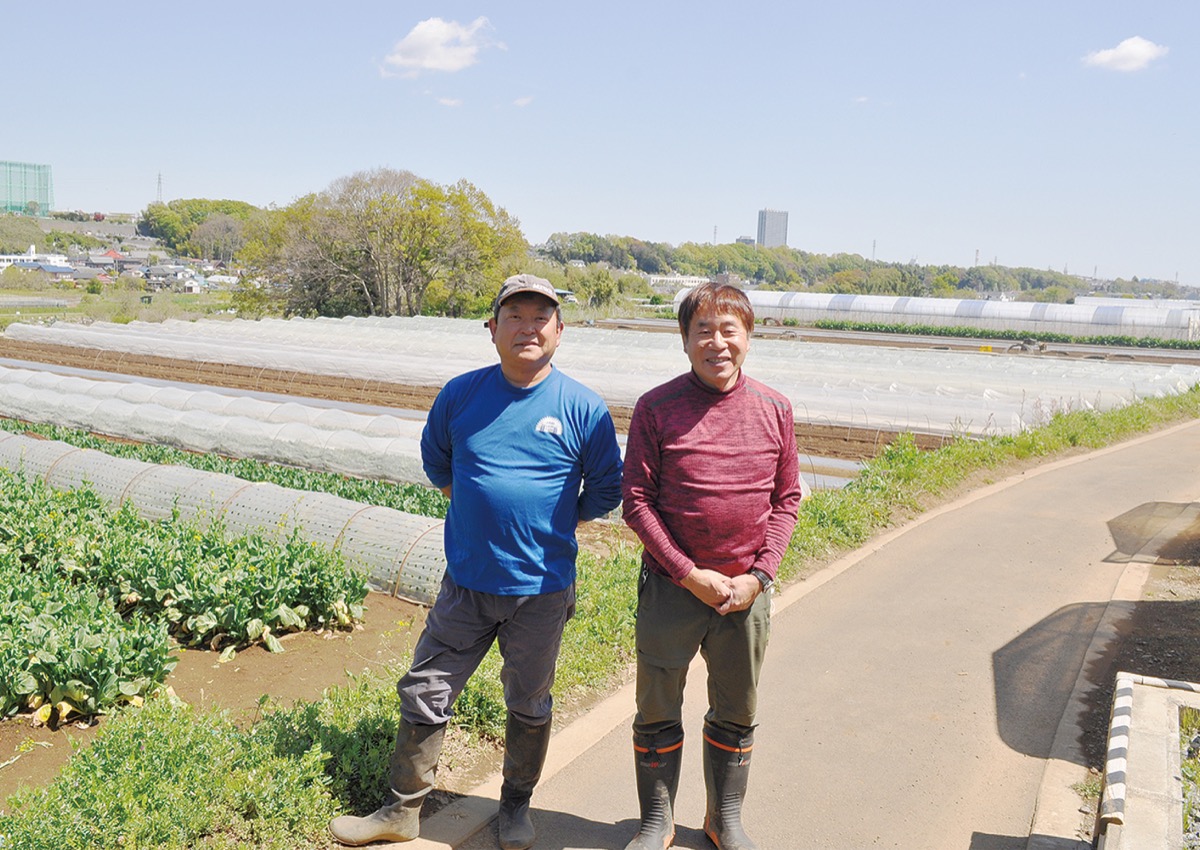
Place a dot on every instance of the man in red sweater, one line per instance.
(712, 488)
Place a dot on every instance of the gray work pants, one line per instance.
(458, 633)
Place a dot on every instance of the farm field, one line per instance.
(316, 661)
(849, 400)
(113, 305)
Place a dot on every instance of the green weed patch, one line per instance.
(167, 777)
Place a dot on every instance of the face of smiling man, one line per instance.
(526, 332)
(716, 344)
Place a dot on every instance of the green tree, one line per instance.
(174, 223)
(164, 224)
(596, 287)
(218, 237)
(385, 242)
(846, 281)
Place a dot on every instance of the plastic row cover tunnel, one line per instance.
(858, 386)
(327, 439)
(401, 554)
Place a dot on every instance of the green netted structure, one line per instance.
(26, 188)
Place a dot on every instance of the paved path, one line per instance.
(912, 691)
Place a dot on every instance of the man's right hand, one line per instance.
(709, 586)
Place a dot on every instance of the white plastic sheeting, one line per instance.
(1080, 319)
(326, 439)
(401, 554)
(861, 386)
(1140, 303)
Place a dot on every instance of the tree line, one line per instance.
(792, 269)
(386, 242)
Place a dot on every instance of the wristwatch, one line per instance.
(765, 580)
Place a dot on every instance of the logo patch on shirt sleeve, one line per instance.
(549, 425)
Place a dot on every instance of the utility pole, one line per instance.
(159, 187)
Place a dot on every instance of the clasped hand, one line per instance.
(720, 592)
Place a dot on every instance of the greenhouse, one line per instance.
(1142, 303)
(1131, 319)
(401, 554)
(855, 386)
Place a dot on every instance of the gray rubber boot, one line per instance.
(726, 773)
(524, 754)
(413, 767)
(656, 762)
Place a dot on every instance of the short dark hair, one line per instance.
(715, 298)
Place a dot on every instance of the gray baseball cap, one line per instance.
(525, 283)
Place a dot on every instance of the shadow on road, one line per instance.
(987, 841)
(584, 834)
(1035, 673)
(1157, 532)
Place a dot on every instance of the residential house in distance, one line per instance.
(33, 258)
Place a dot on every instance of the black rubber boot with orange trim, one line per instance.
(656, 760)
(726, 773)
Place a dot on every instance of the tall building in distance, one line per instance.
(772, 228)
(26, 188)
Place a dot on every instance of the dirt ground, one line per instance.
(1162, 639)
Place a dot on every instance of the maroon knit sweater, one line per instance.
(712, 479)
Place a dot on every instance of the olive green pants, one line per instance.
(672, 625)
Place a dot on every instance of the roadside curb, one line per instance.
(1057, 816)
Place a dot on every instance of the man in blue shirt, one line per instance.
(525, 454)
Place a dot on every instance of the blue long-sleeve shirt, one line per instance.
(525, 466)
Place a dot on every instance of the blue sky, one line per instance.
(1045, 133)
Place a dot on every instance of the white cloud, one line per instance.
(437, 45)
(1132, 54)
(523, 101)
(861, 99)
(450, 101)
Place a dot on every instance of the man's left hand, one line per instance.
(745, 589)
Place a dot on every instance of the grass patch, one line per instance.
(1189, 746)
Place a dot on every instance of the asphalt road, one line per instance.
(912, 691)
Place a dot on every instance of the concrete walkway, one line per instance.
(914, 691)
